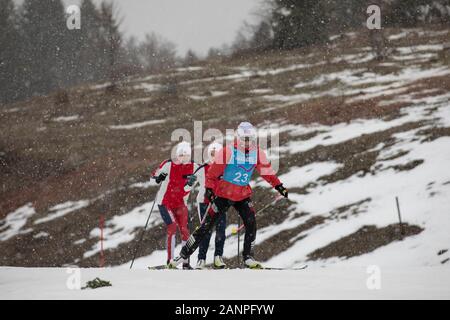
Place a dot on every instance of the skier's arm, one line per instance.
(193, 179)
(265, 170)
(217, 167)
(160, 173)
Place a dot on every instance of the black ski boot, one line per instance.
(187, 266)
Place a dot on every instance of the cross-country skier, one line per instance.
(202, 204)
(172, 197)
(227, 184)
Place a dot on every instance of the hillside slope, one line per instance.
(354, 134)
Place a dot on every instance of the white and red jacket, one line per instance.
(172, 193)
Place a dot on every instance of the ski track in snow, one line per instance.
(313, 283)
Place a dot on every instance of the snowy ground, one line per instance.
(313, 283)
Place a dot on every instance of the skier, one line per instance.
(235, 165)
(172, 197)
(202, 205)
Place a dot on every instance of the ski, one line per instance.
(161, 267)
(164, 267)
(302, 267)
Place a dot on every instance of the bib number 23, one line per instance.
(241, 178)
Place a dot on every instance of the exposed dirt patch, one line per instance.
(407, 166)
(365, 240)
(332, 110)
(283, 240)
(434, 133)
(346, 211)
(395, 156)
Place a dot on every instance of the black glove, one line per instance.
(209, 194)
(282, 190)
(161, 178)
(191, 179)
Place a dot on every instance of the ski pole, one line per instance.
(240, 227)
(187, 176)
(278, 198)
(138, 246)
(206, 212)
(239, 242)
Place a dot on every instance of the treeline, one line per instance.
(289, 24)
(39, 54)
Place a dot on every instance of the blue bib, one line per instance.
(240, 167)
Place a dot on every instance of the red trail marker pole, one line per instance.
(102, 254)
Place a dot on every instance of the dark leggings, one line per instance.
(220, 235)
(220, 207)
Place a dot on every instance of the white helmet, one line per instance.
(215, 146)
(183, 149)
(246, 131)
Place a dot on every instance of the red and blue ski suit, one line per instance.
(229, 177)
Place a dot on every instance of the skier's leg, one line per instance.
(247, 213)
(220, 235)
(219, 206)
(171, 240)
(181, 216)
(204, 244)
(169, 220)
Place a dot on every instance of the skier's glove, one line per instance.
(209, 194)
(161, 178)
(191, 179)
(282, 190)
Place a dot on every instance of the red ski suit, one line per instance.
(227, 190)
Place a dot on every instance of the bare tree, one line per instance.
(156, 53)
(190, 58)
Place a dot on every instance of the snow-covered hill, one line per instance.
(355, 134)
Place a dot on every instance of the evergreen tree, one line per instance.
(298, 23)
(262, 38)
(406, 13)
(43, 26)
(346, 14)
(9, 56)
(111, 39)
(92, 64)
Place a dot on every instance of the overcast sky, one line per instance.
(190, 24)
